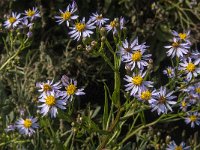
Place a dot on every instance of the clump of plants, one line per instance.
(136, 105)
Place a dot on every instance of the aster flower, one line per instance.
(163, 101)
(25, 24)
(70, 88)
(32, 13)
(127, 48)
(193, 118)
(190, 68)
(136, 83)
(50, 104)
(172, 146)
(137, 58)
(182, 36)
(169, 72)
(194, 92)
(146, 95)
(183, 105)
(177, 49)
(112, 26)
(46, 87)
(67, 15)
(13, 20)
(98, 19)
(27, 126)
(81, 29)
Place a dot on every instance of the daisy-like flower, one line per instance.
(32, 14)
(81, 29)
(183, 105)
(193, 118)
(98, 19)
(177, 49)
(172, 146)
(146, 95)
(51, 103)
(127, 48)
(163, 101)
(71, 88)
(27, 126)
(49, 86)
(13, 20)
(67, 15)
(182, 36)
(112, 26)
(190, 68)
(136, 83)
(137, 58)
(194, 90)
(169, 72)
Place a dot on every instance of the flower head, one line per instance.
(172, 146)
(193, 118)
(71, 88)
(146, 95)
(27, 126)
(136, 83)
(190, 68)
(177, 48)
(46, 87)
(184, 104)
(67, 15)
(98, 19)
(32, 13)
(81, 29)
(184, 36)
(170, 72)
(112, 26)
(13, 20)
(163, 101)
(137, 57)
(50, 104)
(127, 48)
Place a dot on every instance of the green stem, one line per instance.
(21, 48)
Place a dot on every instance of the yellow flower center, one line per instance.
(71, 89)
(137, 80)
(12, 19)
(169, 71)
(175, 44)
(182, 36)
(184, 104)
(137, 56)
(27, 123)
(178, 148)
(162, 100)
(50, 100)
(145, 95)
(66, 15)
(198, 90)
(80, 26)
(30, 13)
(190, 67)
(113, 24)
(46, 87)
(193, 118)
(99, 17)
